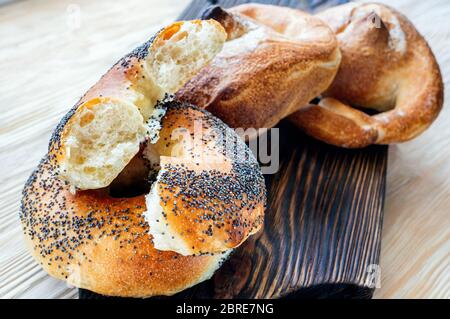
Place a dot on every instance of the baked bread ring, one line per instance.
(105, 244)
(100, 243)
(207, 193)
(275, 60)
(387, 66)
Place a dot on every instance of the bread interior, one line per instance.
(105, 133)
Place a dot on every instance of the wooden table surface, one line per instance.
(52, 51)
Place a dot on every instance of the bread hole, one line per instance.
(159, 58)
(88, 170)
(366, 110)
(134, 180)
(170, 31)
(80, 160)
(175, 54)
(86, 118)
(179, 59)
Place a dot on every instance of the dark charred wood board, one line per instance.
(322, 230)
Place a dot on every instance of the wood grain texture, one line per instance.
(322, 228)
(45, 66)
(415, 250)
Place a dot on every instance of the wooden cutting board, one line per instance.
(322, 231)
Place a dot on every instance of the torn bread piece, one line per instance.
(209, 194)
(103, 132)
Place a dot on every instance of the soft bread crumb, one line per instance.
(163, 237)
(104, 136)
(179, 57)
(154, 124)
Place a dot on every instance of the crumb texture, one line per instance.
(102, 133)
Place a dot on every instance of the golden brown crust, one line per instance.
(342, 126)
(104, 244)
(125, 81)
(101, 243)
(213, 197)
(387, 66)
(265, 72)
(128, 81)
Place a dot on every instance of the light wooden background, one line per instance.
(51, 51)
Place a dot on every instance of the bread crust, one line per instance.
(103, 244)
(124, 81)
(130, 81)
(276, 60)
(100, 243)
(213, 195)
(386, 66)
